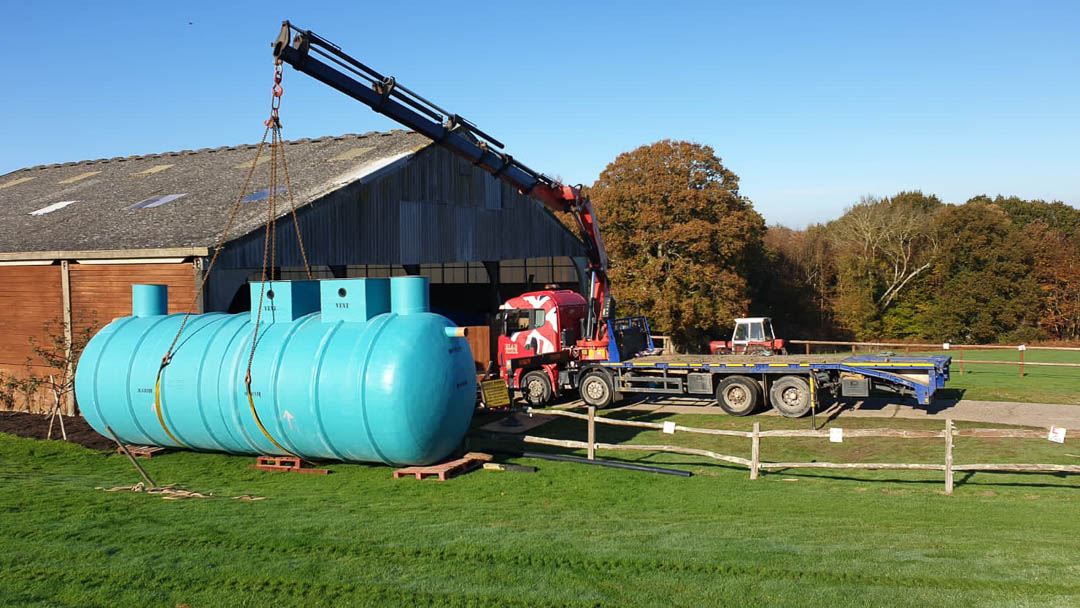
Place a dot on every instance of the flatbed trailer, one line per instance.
(740, 384)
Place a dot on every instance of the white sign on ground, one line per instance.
(836, 435)
(1057, 434)
(669, 428)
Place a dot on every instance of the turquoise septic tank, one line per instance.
(355, 370)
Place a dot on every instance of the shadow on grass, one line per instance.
(962, 479)
(944, 400)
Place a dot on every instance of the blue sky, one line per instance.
(812, 104)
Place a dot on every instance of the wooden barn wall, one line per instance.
(479, 338)
(30, 297)
(102, 292)
(430, 208)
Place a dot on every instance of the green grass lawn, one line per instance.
(1003, 382)
(568, 535)
(989, 382)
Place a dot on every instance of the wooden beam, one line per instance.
(197, 277)
(755, 451)
(106, 254)
(635, 423)
(592, 432)
(948, 456)
(65, 290)
(869, 466)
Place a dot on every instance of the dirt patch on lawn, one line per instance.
(36, 426)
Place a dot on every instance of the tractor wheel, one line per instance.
(790, 395)
(536, 388)
(596, 389)
(738, 395)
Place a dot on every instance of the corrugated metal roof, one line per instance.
(389, 198)
(209, 179)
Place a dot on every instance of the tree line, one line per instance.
(688, 250)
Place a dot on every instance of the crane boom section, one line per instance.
(325, 61)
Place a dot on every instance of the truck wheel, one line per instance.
(738, 395)
(536, 388)
(596, 389)
(790, 395)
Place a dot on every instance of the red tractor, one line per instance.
(752, 336)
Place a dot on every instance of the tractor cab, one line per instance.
(752, 336)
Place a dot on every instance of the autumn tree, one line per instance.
(1056, 269)
(983, 287)
(883, 246)
(1056, 215)
(681, 238)
(793, 284)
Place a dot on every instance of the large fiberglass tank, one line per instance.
(356, 370)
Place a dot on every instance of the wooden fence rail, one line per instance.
(755, 464)
(922, 346)
(958, 358)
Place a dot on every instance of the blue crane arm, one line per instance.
(324, 61)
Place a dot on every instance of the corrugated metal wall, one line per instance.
(432, 207)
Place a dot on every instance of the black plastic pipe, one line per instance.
(607, 463)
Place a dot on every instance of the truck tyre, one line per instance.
(738, 395)
(596, 389)
(790, 395)
(536, 388)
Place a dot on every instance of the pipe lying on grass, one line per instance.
(602, 463)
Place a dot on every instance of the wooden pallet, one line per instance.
(284, 464)
(446, 470)
(146, 451)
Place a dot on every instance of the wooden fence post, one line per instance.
(807, 349)
(755, 451)
(1022, 349)
(961, 361)
(853, 349)
(592, 432)
(948, 456)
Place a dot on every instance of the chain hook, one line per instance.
(275, 99)
(278, 70)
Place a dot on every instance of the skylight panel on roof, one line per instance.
(15, 182)
(247, 164)
(261, 195)
(81, 176)
(156, 201)
(151, 170)
(352, 153)
(51, 208)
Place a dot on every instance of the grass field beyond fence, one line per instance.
(568, 535)
(1003, 382)
(995, 382)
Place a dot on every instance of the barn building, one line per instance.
(77, 235)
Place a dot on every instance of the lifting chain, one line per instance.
(277, 154)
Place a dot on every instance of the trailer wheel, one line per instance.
(738, 395)
(536, 388)
(790, 395)
(596, 389)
